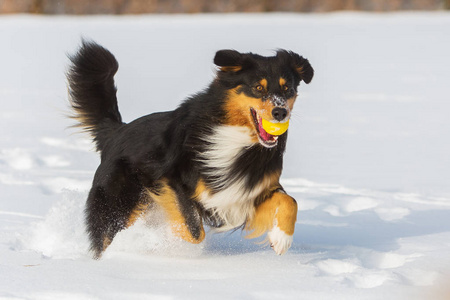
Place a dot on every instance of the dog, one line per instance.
(216, 160)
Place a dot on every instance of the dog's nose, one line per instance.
(279, 113)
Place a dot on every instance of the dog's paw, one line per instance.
(279, 240)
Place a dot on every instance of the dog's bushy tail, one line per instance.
(92, 91)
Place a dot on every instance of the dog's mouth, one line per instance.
(266, 139)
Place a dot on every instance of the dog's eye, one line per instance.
(285, 88)
(259, 88)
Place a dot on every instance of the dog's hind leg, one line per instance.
(111, 205)
(181, 213)
(99, 222)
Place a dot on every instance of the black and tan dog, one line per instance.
(215, 160)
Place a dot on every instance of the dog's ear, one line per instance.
(229, 60)
(300, 64)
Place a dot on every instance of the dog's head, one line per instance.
(261, 91)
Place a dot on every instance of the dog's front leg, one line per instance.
(276, 215)
(181, 213)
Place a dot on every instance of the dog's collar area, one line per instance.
(265, 138)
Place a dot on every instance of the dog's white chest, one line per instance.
(234, 204)
(234, 201)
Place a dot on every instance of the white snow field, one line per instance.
(368, 159)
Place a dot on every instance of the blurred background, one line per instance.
(211, 6)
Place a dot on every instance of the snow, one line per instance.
(367, 160)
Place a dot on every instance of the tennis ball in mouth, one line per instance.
(275, 128)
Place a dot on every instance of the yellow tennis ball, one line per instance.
(275, 128)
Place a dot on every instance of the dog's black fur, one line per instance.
(166, 148)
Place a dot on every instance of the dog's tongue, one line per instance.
(263, 134)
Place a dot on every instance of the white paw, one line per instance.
(279, 240)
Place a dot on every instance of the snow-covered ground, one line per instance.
(368, 159)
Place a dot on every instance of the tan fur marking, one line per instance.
(263, 82)
(256, 226)
(137, 212)
(238, 109)
(106, 242)
(200, 189)
(287, 214)
(282, 81)
(231, 68)
(279, 210)
(291, 102)
(167, 200)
